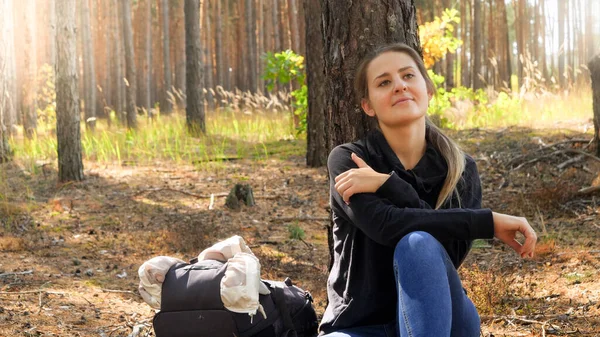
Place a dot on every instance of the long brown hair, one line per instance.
(451, 152)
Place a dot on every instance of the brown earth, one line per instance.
(69, 253)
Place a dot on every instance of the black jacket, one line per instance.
(361, 286)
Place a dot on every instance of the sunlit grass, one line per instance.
(229, 135)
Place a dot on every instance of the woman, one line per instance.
(406, 205)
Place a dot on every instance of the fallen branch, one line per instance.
(569, 162)
(588, 190)
(202, 196)
(27, 272)
(118, 291)
(589, 155)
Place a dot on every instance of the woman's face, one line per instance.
(397, 91)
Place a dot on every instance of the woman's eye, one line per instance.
(384, 83)
(409, 76)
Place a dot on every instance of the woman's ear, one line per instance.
(366, 106)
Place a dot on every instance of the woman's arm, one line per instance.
(387, 222)
(402, 211)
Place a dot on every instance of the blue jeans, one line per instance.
(431, 299)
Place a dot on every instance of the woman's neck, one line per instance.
(407, 141)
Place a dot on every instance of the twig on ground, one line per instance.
(118, 291)
(17, 273)
(202, 196)
(30, 292)
(569, 162)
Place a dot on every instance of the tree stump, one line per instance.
(594, 66)
(240, 194)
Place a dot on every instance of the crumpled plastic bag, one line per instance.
(241, 285)
(225, 250)
(152, 275)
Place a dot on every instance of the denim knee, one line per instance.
(416, 242)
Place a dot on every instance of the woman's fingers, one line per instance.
(358, 161)
(530, 241)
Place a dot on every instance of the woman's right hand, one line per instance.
(506, 228)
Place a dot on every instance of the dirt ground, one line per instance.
(69, 253)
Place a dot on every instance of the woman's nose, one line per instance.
(399, 85)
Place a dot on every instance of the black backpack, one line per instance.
(191, 306)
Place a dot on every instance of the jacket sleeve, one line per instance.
(386, 222)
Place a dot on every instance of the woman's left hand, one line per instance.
(359, 180)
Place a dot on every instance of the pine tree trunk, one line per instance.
(589, 22)
(89, 75)
(70, 165)
(562, 42)
(29, 88)
(294, 32)
(6, 29)
(476, 46)
(108, 44)
(449, 60)
(119, 58)
(208, 64)
(9, 102)
(131, 86)
(219, 44)
(260, 45)
(465, 64)
(594, 66)
(316, 142)
(251, 45)
(195, 107)
(52, 32)
(166, 106)
(275, 19)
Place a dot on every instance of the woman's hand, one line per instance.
(359, 180)
(506, 228)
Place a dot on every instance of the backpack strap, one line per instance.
(278, 293)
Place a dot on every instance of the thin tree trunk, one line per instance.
(9, 105)
(449, 60)
(89, 67)
(119, 58)
(275, 19)
(129, 64)
(148, 68)
(208, 64)
(220, 64)
(293, 19)
(589, 33)
(316, 142)
(251, 45)
(52, 32)
(594, 66)
(260, 47)
(29, 88)
(166, 106)
(70, 165)
(465, 70)
(195, 107)
(6, 49)
(561, 42)
(476, 46)
(542, 52)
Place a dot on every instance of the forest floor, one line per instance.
(69, 253)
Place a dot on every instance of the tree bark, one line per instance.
(220, 61)
(6, 30)
(29, 88)
(316, 143)
(594, 66)
(70, 165)
(476, 46)
(561, 8)
(251, 45)
(129, 64)
(89, 70)
(118, 53)
(147, 73)
(8, 68)
(166, 106)
(465, 68)
(449, 60)
(208, 64)
(195, 107)
(275, 19)
(294, 32)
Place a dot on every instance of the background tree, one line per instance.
(316, 125)
(29, 87)
(195, 107)
(5, 94)
(594, 66)
(8, 68)
(89, 70)
(70, 165)
(130, 79)
(166, 106)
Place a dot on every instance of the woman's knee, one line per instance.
(416, 242)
